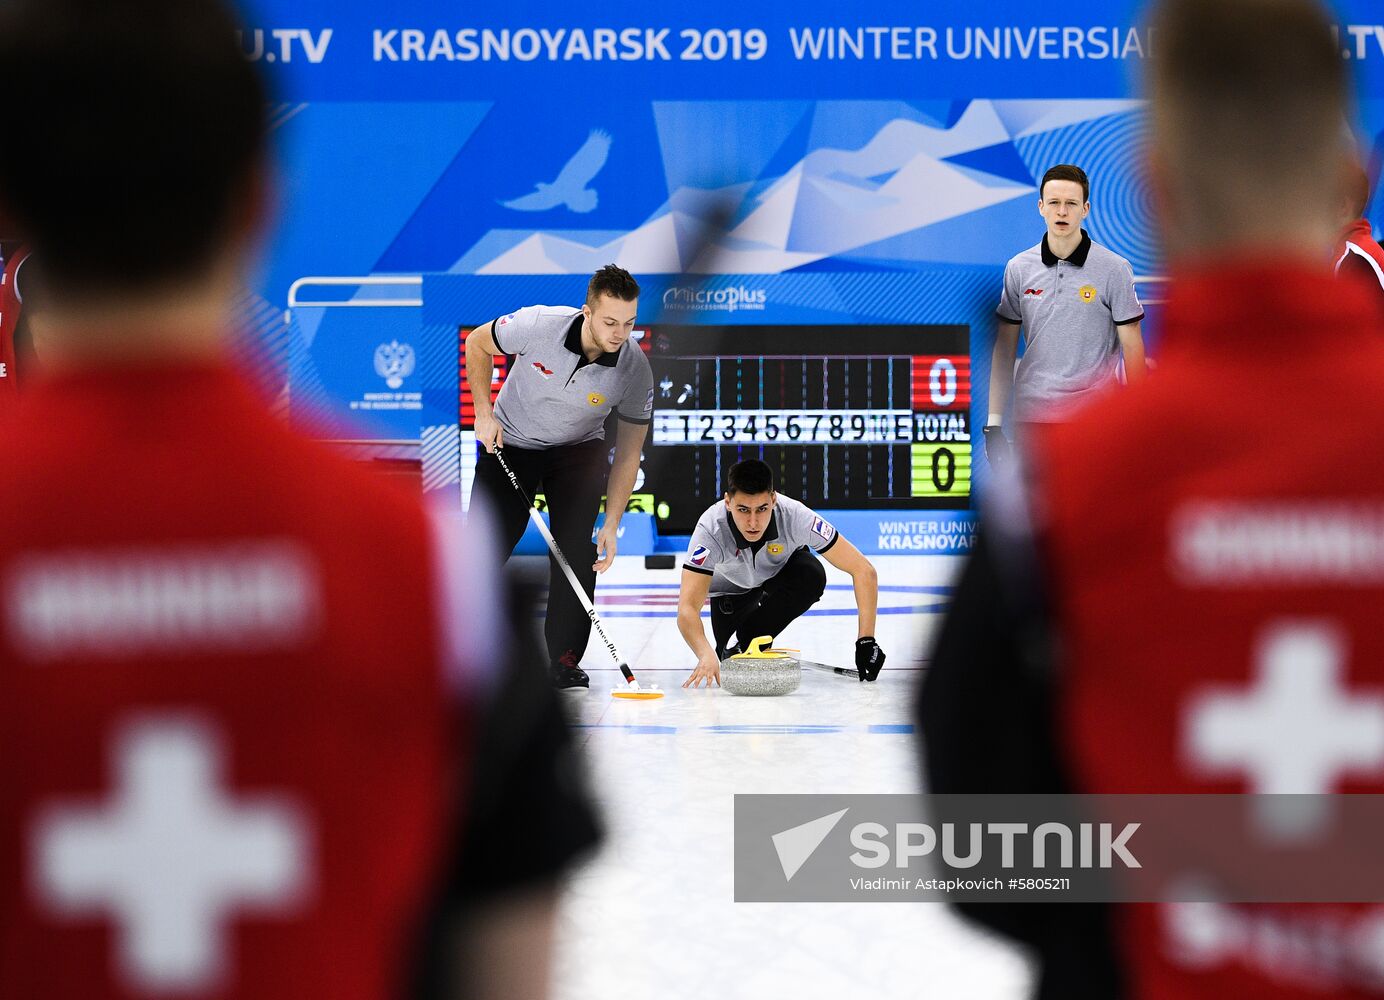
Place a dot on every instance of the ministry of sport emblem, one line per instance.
(595, 399)
(394, 362)
(1088, 293)
(775, 549)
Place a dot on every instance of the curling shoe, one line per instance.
(566, 673)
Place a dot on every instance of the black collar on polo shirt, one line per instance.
(573, 344)
(741, 542)
(1078, 257)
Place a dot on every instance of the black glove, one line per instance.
(996, 446)
(869, 658)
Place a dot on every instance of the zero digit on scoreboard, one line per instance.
(942, 469)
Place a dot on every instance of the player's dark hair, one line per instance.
(131, 137)
(1067, 172)
(1248, 101)
(613, 281)
(750, 477)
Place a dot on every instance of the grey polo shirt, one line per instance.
(1069, 310)
(552, 395)
(736, 565)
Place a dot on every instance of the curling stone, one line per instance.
(761, 670)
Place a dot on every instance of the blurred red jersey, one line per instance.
(11, 302)
(231, 720)
(1216, 540)
(1360, 258)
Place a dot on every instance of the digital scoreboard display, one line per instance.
(848, 417)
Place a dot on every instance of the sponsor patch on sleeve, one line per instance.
(699, 555)
(823, 529)
(503, 320)
(649, 402)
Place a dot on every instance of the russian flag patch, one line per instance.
(822, 528)
(699, 555)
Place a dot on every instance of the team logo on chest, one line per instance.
(1088, 293)
(775, 549)
(545, 372)
(1034, 292)
(595, 398)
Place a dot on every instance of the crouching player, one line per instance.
(753, 553)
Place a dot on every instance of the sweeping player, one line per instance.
(246, 729)
(572, 367)
(1076, 304)
(753, 553)
(1176, 609)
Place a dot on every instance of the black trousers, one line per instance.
(572, 479)
(769, 608)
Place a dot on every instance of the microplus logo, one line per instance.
(715, 299)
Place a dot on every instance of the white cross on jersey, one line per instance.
(169, 858)
(1297, 730)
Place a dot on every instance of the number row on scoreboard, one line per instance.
(716, 427)
(638, 503)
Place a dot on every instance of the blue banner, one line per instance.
(758, 170)
(718, 50)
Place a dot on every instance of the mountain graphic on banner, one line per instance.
(827, 204)
(1001, 160)
(830, 202)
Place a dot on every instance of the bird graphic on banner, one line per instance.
(569, 188)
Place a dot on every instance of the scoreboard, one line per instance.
(848, 417)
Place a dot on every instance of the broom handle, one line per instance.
(843, 671)
(567, 570)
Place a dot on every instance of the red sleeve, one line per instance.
(1354, 267)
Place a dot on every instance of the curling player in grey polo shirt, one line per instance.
(753, 553)
(571, 368)
(1076, 303)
